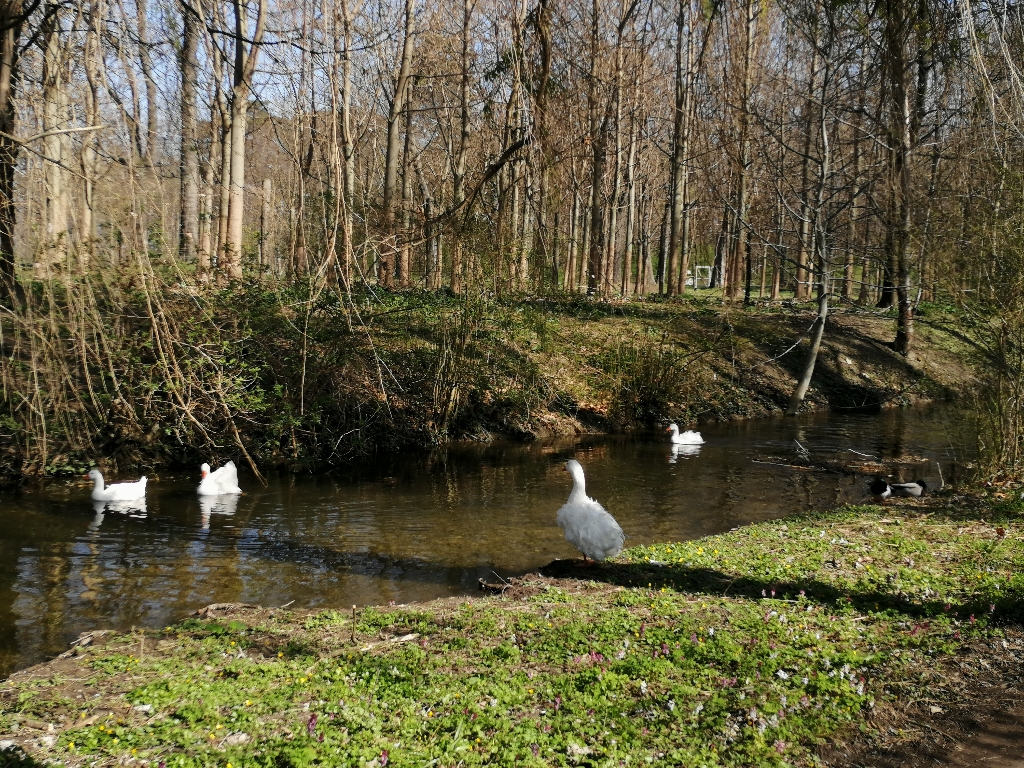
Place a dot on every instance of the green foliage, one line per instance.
(652, 378)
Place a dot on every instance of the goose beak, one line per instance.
(203, 474)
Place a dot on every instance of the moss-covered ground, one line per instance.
(754, 647)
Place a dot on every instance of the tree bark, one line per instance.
(393, 150)
(55, 146)
(146, 64)
(812, 356)
(93, 66)
(245, 66)
(804, 273)
(459, 174)
(12, 16)
(188, 224)
(743, 257)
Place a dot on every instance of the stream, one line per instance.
(414, 525)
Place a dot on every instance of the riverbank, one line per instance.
(281, 379)
(794, 642)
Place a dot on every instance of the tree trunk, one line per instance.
(627, 251)
(743, 256)
(11, 19)
(404, 248)
(55, 145)
(598, 138)
(188, 225)
(266, 235)
(205, 250)
(569, 280)
(804, 274)
(146, 64)
(92, 64)
(678, 170)
(347, 148)
(812, 356)
(245, 65)
(459, 175)
(393, 151)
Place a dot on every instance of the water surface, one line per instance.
(409, 526)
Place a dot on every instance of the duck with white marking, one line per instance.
(116, 491)
(880, 490)
(588, 526)
(219, 482)
(689, 437)
(912, 490)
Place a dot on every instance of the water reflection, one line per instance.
(684, 451)
(406, 527)
(226, 504)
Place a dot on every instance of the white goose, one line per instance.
(689, 437)
(587, 524)
(224, 480)
(117, 491)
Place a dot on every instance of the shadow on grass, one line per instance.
(1007, 605)
(13, 757)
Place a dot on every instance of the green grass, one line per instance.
(747, 648)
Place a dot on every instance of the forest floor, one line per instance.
(867, 636)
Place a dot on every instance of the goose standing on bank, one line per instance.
(117, 491)
(220, 482)
(689, 437)
(587, 524)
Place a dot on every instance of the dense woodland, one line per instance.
(863, 151)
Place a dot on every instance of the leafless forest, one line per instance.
(837, 150)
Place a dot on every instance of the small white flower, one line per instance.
(782, 674)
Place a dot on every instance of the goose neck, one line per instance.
(579, 489)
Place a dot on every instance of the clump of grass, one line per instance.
(741, 649)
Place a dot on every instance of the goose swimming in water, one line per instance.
(588, 526)
(689, 437)
(117, 491)
(219, 482)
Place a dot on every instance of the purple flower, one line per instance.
(311, 725)
(383, 757)
(558, 703)
(992, 608)
(780, 747)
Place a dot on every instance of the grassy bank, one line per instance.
(756, 647)
(138, 380)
